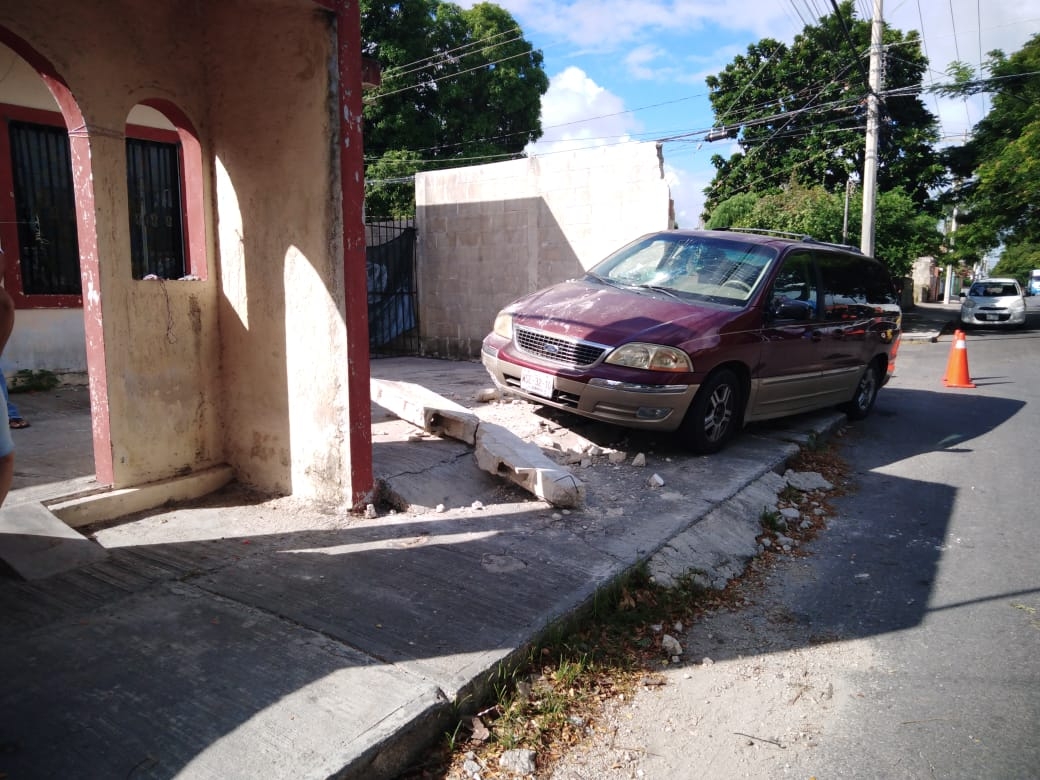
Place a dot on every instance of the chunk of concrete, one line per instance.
(504, 454)
(425, 409)
(36, 544)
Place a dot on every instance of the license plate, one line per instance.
(536, 382)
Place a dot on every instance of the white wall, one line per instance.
(491, 233)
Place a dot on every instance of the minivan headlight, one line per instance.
(504, 325)
(652, 357)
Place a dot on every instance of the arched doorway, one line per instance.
(50, 260)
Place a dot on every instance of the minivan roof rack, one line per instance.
(846, 247)
(804, 237)
(765, 232)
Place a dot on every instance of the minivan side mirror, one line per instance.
(789, 309)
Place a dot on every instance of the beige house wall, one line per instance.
(489, 234)
(246, 366)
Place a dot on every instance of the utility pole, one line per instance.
(845, 221)
(870, 158)
(948, 287)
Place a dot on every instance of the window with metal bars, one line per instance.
(45, 208)
(153, 183)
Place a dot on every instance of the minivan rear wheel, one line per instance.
(714, 416)
(866, 394)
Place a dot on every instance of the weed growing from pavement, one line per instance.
(27, 381)
(770, 520)
(552, 700)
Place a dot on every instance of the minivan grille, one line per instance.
(559, 350)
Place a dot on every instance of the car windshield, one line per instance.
(992, 290)
(726, 271)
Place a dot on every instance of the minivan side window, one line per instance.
(794, 293)
(853, 287)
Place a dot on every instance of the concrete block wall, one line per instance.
(491, 233)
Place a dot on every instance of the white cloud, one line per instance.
(640, 62)
(604, 25)
(578, 113)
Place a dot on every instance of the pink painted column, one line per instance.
(90, 274)
(355, 279)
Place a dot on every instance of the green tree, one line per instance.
(903, 231)
(799, 112)
(1017, 261)
(459, 87)
(997, 193)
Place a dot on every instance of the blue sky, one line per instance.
(625, 70)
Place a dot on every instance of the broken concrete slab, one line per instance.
(425, 409)
(500, 452)
(36, 544)
(497, 450)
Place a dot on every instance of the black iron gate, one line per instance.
(393, 319)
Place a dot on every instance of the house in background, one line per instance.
(181, 191)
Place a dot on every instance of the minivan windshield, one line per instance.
(725, 271)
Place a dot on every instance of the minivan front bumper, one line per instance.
(652, 407)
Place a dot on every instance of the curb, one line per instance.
(715, 547)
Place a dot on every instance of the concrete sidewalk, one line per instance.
(929, 321)
(249, 637)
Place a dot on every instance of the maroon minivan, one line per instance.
(702, 331)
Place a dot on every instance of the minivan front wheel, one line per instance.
(866, 394)
(714, 416)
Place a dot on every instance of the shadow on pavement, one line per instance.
(874, 574)
(280, 640)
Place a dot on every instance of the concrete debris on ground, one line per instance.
(497, 450)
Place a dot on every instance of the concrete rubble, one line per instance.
(497, 450)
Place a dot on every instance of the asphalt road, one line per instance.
(906, 642)
(942, 542)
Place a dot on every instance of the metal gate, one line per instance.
(393, 319)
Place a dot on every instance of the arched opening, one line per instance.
(164, 193)
(48, 238)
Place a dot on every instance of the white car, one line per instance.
(994, 302)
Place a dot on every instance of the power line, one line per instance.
(375, 98)
(437, 59)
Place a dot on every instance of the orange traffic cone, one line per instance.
(957, 364)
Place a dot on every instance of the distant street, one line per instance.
(907, 644)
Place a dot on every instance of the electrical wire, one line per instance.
(685, 137)
(375, 98)
(437, 60)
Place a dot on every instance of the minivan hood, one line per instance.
(595, 311)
